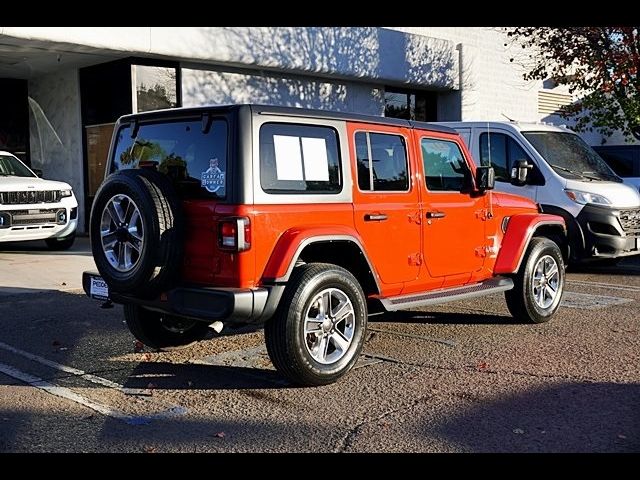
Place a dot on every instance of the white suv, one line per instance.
(35, 209)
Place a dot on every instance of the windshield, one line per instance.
(12, 167)
(570, 156)
(190, 152)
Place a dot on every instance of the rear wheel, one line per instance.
(539, 284)
(161, 331)
(61, 243)
(318, 331)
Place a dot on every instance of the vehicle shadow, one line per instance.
(567, 417)
(37, 247)
(191, 376)
(627, 266)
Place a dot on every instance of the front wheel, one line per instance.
(539, 284)
(161, 331)
(318, 331)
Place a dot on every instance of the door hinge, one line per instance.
(484, 214)
(481, 252)
(415, 259)
(415, 217)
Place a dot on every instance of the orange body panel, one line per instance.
(408, 251)
(517, 236)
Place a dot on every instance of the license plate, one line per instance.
(98, 289)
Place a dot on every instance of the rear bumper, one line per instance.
(604, 235)
(228, 305)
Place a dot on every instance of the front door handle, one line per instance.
(375, 217)
(436, 215)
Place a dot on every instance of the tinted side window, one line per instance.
(444, 165)
(382, 162)
(194, 160)
(505, 152)
(493, 152)
(299, 158)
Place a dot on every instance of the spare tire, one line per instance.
(137, 235)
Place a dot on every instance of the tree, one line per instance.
(599, 64)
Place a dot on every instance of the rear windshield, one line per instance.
(190, 152)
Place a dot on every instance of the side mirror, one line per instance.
(37, 171)
(485, 178)
(520, 172)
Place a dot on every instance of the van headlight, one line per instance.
(586, 197)
(65, 193)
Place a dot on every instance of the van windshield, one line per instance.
(193, 156)
(570, 156)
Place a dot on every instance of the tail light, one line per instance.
(234, 234)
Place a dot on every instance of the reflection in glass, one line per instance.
(156, 87)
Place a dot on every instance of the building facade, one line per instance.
(62, 89)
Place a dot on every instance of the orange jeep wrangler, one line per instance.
(305, 221)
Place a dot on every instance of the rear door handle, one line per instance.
(375, 217)
(436, 215)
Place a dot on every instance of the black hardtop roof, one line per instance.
(289, 111)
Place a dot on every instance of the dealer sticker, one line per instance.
(213, 178)
(99, 289)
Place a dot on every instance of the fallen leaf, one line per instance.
(482, 366)
(138, 346)
(518, 431)
(220, 435)
(63, 349)
(622, 437)
(149, 449)
(146, 357)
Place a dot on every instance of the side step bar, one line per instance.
(492, 285)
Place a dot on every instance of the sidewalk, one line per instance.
(29, 267)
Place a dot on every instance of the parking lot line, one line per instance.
(63, 368)
(170, 409)
(63, 392)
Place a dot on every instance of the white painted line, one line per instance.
(171, 411)
(63, 368)
(591, 302)
(63, 392)
(612, 286)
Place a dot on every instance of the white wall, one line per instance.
(491, 85)
(371, 53)
(202, 87)
(56, 131)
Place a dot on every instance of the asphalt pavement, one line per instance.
(461, 377)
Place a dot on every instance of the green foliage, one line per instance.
(600, 64)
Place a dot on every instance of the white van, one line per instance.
(35, 209)
(554, 167)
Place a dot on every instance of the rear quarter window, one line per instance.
(299, 159)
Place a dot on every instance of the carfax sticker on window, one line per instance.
(213, 178)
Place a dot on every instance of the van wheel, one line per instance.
(59, 244)
(161, 331)
(539, 284)
(137, 232)
(318, 331)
